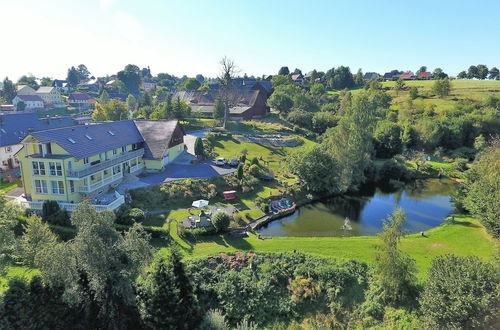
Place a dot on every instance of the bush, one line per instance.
(392, 170)
(255, 170)
(254, 161)
(53, 214)
(221, 221)
(125, 215)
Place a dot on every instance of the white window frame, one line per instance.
(57, 187)
(39, 169)
(40, 188)
(56, 167)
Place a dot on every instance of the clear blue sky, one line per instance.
(190, 37)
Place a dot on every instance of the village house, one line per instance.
(61, 85)
(31, 102)
(424, 75)
(148, 85)
(14, 127)
(71, 164)
(50, 96)
(297, 79)
(408, 76)
(370, 76)
(81, 101)
(245, 104)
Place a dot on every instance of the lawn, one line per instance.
(64, 111)
(6, 186)
(16, 272)
(465, 236)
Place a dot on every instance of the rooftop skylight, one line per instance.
(71, 140)
(88, 137)
(111, 133)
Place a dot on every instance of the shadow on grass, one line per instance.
(464, 223)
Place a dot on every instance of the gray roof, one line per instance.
(210, 109)
(122, 134)
(45, 89)
(14, 127)
(157, 135)
(30, 98)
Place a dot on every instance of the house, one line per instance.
(245, 104)
(297, 78)
(424, 75)
(31, 102)
(408, 75)
(7, 107)
(25, 90)
(370, 76)
(61, 85)
(390, 76)
(14, 127)
(148, 85)
(81, 101)
(92, 85)
(50, 96)
(71, 164)
(110, 84)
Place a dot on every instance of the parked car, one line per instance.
(220, 161)
(234, 162)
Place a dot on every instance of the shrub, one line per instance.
(49, 208)
(254, 161)
(221, 220)
(53, 214)
(125, 215)
(255, 170)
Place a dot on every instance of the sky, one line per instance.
(45, 38)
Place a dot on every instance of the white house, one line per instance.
(49, 95)
(80, 101)
(31, 102)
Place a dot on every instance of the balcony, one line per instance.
(112, 205)
(105, 164)
(99, 184)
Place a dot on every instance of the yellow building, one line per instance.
(88, 162)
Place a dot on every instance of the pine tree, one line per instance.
(198, 147)
(8, 90)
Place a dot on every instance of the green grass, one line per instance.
(463, 237)
(56, 112)
(6, 186)
(16, 272)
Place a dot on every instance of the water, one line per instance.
(426, 204)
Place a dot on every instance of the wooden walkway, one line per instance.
(257, 223)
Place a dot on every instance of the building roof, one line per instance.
(45, 90)
(424, 75)
(370, 75)
(79, 97)
(32, 98)
(296, 76)
(25, 87)
(14, 127)
(103, 137)
(408, 74)
(238, 97)
(157, 135)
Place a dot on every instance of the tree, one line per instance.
(190, 84)
(180, 109)
(221, 220)
(21, 106)
(394, 269)
(8, 90)
(358, 80)
(413, 92)
(9, 213)
(145, 100)
(462, 75)
(131, 78)
(461, 293)
(228, 71)
(281, 102)
(113, 111)
(442, 87)
(321, 121)
(83, 73)
(37, 236)
(29, 80)
(482, 71)
(97, 269)
(104, 97)
(472, 72)
(131, 102)
(219, 109)
(480, 190)
(439, 74)
(46, 81)
(297, 71)
(200, 78)
(283, 71)
(494, 73)
(73, 78)
(400, 85)
(422, 69)
(387, 139)
(280, 80)
(339, 78)
(198, 147)
(239, 172)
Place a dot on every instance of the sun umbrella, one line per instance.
(200, 203)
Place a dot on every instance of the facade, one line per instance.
(424, 75)
(370, 76)
(148, 85)
(81, 101)
(31, 102)
(75, 163)
(50, 95)
(246, 103)
(14, 127)
(408, 75)
(297, 79)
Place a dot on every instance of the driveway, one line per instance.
(190, 138)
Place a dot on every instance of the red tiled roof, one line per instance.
(407, 75)
(424, 74)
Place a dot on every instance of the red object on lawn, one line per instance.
(228, 195)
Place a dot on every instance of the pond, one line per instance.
(426, 204)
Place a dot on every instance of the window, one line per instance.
(124, 149)
(115, 151)
(38, 168)
(8, 149)
(71, 186)
(48, 147)
(86, 160)
(41, 187)
(116, 169)
(40, 149)
(55, 169)
(106, 155)
(105, 172)
(57, 187)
